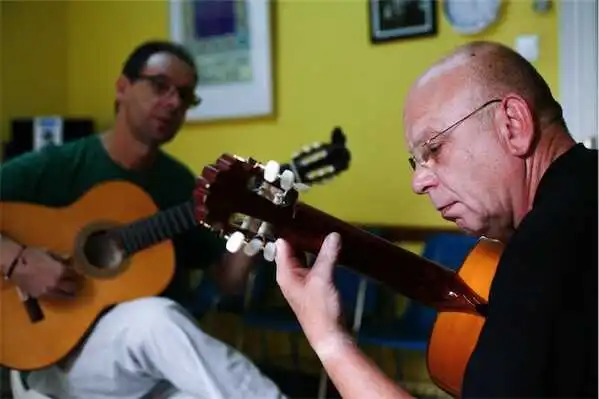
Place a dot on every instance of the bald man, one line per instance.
(490, 148)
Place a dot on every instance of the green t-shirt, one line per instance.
(58, 176)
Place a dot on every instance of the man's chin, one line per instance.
(469, 229)
(162, 137)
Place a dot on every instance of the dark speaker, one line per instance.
(33, 134)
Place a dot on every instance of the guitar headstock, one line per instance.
(321, 161)
(245, 201)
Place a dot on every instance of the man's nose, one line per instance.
(174, 99)
(423, 179)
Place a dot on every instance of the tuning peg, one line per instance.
(253, 247)
(316, 145)
(338, 137)
(263, 229)
(246, 223)
(287, 179)
(271, 171)
(324, 172)
(300, 187)
(306, 149)
(235, 242)
(270, 251)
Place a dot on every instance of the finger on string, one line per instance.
(327, 256)
(287, 255)
(71, 274)
(285, 260)
(71, 283)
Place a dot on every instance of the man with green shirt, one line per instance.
(148, 346)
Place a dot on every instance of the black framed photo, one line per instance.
(399, 19)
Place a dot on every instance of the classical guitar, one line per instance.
(253, 207)
(122, 248)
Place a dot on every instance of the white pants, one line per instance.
(152, 348)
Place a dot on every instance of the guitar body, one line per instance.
(455, 334)
(29, 345)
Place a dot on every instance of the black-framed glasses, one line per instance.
(422, 153)
(162, 87)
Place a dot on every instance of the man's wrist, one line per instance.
(332, 345)
(9, 250)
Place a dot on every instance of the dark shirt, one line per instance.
(540, 337)
(58, 176)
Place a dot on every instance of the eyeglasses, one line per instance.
(422, 153)
(163, 88)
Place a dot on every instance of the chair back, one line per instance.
(347, 283)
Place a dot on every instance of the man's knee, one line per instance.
(147, 312)
(151, 305)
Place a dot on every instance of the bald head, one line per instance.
(479, 126)
(492, 70)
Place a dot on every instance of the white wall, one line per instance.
(578, 43)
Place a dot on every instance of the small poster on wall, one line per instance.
(47, 131)
(399, 19)
(230, 41)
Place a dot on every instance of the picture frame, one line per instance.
(230, 41)
(47, 131)
(401, 19)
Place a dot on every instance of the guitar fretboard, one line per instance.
(161, 226)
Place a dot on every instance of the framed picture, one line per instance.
(230, 41)
(399, 19)
(47, 131)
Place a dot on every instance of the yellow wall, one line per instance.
(33, 71)
(328, 74)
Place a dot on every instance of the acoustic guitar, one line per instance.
(120, 242)
(252, 207)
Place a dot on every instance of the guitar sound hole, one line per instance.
(102, 251)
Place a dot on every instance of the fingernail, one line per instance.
(332, 241)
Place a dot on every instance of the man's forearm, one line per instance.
(353, 373)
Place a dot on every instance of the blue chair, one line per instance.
(412, 329)
(258, 314)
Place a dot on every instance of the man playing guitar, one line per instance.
(492, 151)
(149, 345)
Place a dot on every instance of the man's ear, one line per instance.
(516, 125)
(122, 84)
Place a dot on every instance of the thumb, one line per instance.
(327, 257)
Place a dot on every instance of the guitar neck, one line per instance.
(372, 256)
(159, 227)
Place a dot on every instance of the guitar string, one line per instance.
(161, 226)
